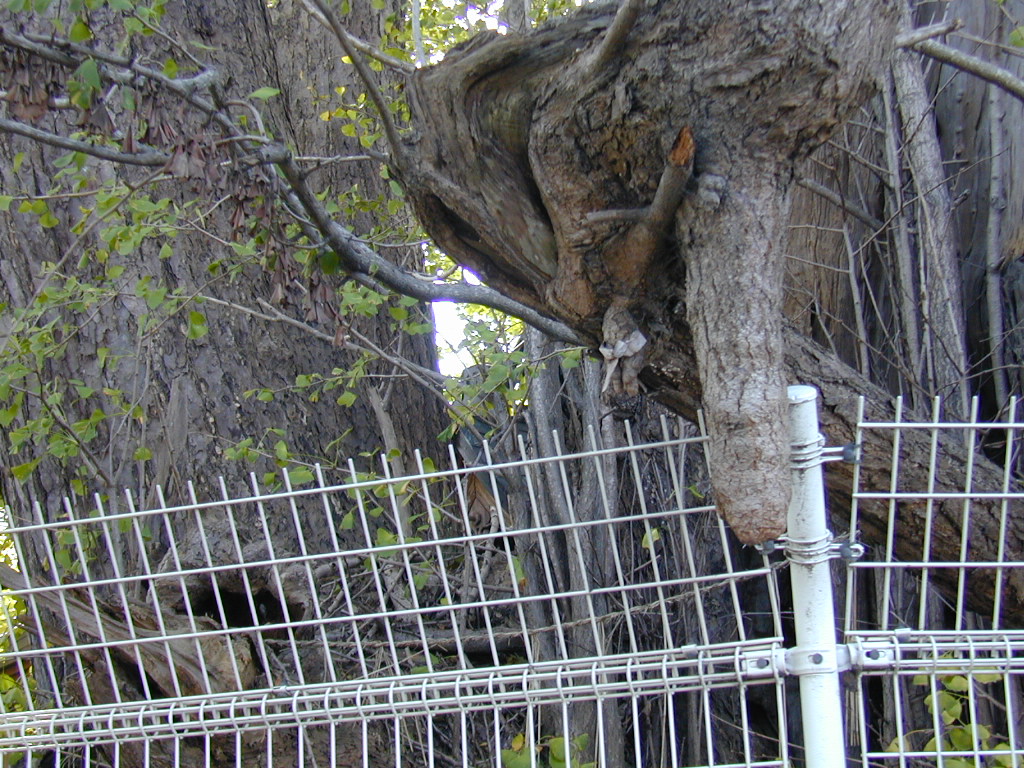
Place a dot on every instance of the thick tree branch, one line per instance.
(615, 37)
(367, 266)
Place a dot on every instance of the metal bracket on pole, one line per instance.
(861, 655)
(836, 550)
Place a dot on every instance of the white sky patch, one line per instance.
(450, 332)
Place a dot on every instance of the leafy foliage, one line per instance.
(952, 703)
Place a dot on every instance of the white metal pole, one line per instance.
(808, 548)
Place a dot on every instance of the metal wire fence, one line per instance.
(586, 608)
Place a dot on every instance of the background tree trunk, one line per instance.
(184, 396)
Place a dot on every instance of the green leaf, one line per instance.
(80, 32)
(5, 202)
(142, 453)
(650, 538)
(330, 262)
(171, 67)
(264, 93)
(347, 398)
(300, 475)
(23, 471)
(957, 683)
(557, 747)
(197, 327)
(89, 74)
(511, 759)
(1017, 37)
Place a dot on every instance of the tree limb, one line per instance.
(972, 65)
(615, 37)
(372, 88)
(149, 159)
(915, 36)
(855, 211)
(360, 45)
(370, 268)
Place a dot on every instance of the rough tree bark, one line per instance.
(537, 157)
(189, 391)
(570, 138)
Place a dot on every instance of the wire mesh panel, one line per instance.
(935, 614)
(585, 608)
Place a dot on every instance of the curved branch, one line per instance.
(361, 45)
(69, 54)
(368, 267)
(364, 264)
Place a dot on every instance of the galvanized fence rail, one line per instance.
(586, 608)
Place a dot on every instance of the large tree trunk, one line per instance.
(183, 395)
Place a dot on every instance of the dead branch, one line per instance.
(965, 62)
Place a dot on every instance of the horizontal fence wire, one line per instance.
(936, 601)
(516, 613)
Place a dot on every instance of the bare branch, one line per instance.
(69, 54)
(368, 267)
(973, 65)
(915, 36)
(615, 37)
(417, 33)
(360, 45)
(150, 159)
(347, 45)
(841, 202)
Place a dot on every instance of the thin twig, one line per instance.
(366, 75)
(417, 34)
(841, 202)
(915, 36)
(360, 45)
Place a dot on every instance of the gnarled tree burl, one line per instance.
(552, 163)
